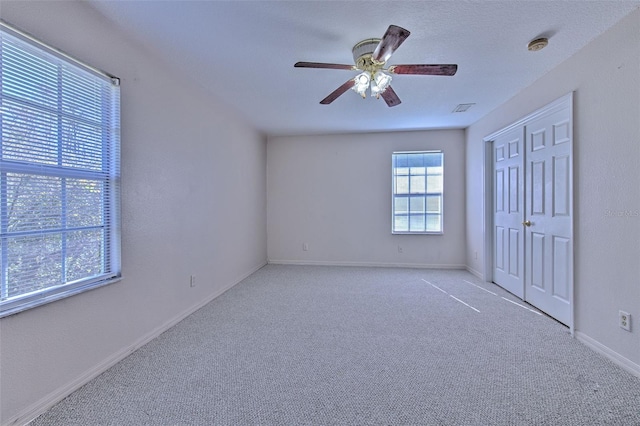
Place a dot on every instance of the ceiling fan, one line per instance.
(370, 57)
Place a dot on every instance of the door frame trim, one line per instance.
(565, 101)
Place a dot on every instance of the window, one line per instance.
(417, 192)
(59, 174)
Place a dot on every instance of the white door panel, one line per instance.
(508, 265)
(549, 251)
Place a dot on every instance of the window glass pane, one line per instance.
(417, 184)
(33, 263)
(401, 223)
(401, 205)
(26, 75)
(81, 145)
(33, 202)
(434, 184)
(417, 204)
(84, 203)
(433, 223)
(402, 171)
(82, 95)
(416, 223)
(28, 134)
(418, 171)
(402, 185)
(434, 170)
(84, 254)
(433, 203)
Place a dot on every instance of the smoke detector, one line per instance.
(537, 44)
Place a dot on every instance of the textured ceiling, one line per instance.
(243, 52)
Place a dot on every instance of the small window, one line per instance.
(417, 192)
(59, 175)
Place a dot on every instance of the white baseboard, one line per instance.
(39, 407)
(364, 264)
(618, 359)
(474, 272)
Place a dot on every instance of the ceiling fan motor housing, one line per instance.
(363, 55)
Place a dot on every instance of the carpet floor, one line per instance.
(317, 345)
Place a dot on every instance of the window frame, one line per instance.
(395, 195)
(107, 178)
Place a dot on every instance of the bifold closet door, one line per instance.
(548, 236)
(532, 211)
(508, 211)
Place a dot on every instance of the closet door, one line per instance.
(508, 211)
(532, 221)
(548, 236)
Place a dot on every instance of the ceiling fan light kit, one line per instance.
(372, 77)
(381, 82)
(362, 82)
(370, 56)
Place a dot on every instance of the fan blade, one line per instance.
(391, 40)
(424, 69)
(323, 65)
(339, 91)
(390, 97)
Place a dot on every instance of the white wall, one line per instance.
(605, 76)
(334, 193)
(194, 202)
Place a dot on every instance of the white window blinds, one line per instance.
(59, 174)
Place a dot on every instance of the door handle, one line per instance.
(527, 223)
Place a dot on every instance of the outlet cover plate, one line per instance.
(624, 319)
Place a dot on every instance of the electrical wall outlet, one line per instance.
(192, 281)
(305, 246)
(399, 248)
(624, 320)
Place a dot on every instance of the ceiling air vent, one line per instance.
(462, 107)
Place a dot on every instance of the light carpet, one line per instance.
(317, 345)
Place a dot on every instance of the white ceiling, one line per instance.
(243, 52)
